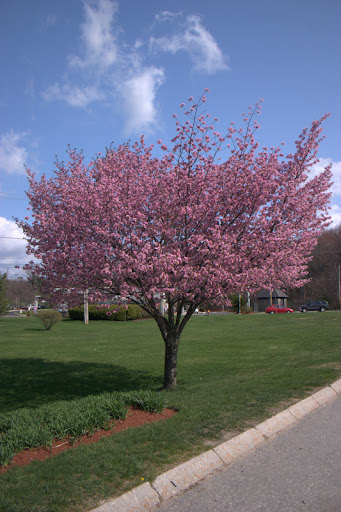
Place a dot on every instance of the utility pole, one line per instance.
(36, 303)
(86, 307)
(20, 283)
(162, 307)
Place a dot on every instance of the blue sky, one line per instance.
(95, 72)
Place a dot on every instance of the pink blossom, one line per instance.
(185, 225)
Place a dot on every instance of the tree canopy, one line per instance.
(214, 215)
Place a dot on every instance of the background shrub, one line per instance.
(117, 313)
(49, 317)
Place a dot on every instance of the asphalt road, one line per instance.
(298, 471)
(14, 313)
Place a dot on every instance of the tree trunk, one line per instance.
(171, 358)
(171, 327)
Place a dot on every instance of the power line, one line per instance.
(12, 196)
(15, 257)
(13, 237)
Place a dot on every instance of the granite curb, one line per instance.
(147, 496)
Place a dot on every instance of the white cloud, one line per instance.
(30, 88)
(335, 201)
(12, 248)
(99, 54)
(106, 64)
(139, 98)
(336, 171)
(50, 20)
(193, 38)
(13, 154)
(138, 44)
(98, 36)
(335, 213)
(72, 94)
(167, 16)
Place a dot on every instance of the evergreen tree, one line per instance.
(3, 294)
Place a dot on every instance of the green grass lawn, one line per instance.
(233, 371)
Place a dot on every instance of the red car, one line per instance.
(278, 309)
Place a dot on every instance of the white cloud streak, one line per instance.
(99, 53)
(73, 95)
(107, 69)
(336, 171)
(335, 213)
(50, 20)
(193, 38)
(139, 98)
(335, 201)
(12, 248)
(118, 71)
(167, 16)
(13, 154)
(98, 36)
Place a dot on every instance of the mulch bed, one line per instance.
(135, 418)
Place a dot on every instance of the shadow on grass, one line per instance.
(33, 382)
(35, 329)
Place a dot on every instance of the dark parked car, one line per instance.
(314, 305)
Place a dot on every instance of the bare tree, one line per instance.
(324, 271)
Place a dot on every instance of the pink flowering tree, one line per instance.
(214, 215)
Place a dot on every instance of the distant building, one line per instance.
(263, 299)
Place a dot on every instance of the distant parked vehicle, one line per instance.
(278, 309)
(314, 305)
(31, 307)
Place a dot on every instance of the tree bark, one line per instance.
(171, 327)
(171, 359)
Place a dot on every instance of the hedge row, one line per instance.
(117, 313)
(27, 428)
